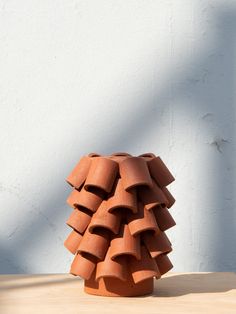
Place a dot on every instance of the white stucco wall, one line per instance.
(137, 76)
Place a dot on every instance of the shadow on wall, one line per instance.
(215, 101)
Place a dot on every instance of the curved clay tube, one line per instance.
(105, 219)
(153, 196)
(95, 244)
(72, 241)
(78, 175)
(142, 221)
(79, 220)
(147, 156)
(160, 172)
(73, 198)
(169, 196)
(144, 268)
(163, 263)
(163, 217)
(119, 157)
(83, 265)
(116, 268)
(156, 244)
(120, 154)
(125, 244)
(120, 198)
(89, 200)
(102, 174)
(94, 155)
(134, 171)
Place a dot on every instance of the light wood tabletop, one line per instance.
(63, 293)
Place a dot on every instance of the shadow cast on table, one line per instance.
(171, 286)
(182, 284)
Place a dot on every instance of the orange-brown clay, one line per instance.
(169, 196)
(120, 212)
(125, 244)
(83, 265)
(144, 268)
(144, 220)
(120, 198)
(95, 244)
(160, 172)
(102, 174)
(156, 243)
(73, 198)
(88, 199)
(134, 172)
(79, 219)
(114, 287)
(163, 217)
(105, 219)
(153, 196)
(114, 268)
(164, 264)
(72, 241)
(78, 175)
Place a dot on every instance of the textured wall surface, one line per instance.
(104, 76)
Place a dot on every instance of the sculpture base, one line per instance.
(113, 287)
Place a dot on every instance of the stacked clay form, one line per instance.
(120, 214)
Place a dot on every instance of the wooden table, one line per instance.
(174, 293)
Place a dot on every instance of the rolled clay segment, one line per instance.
(89, 200)
(156, 243)
(79, 220)
(102, 174)
(72, 199)
(120, 154)
(163, 263)
(142, 221)
(95, 244)
(120, 198)
(105, 219)
(119, 157)
(163, 218)
(78, 175)
(147, 156)
(94, 155)
(112, 268)
(144, 268)
(83, 266)
(134, 172)
(125, 244)
(72, 241)
(160, 172)
(153, 196)
(169, 196)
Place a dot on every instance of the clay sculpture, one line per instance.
(120, 214)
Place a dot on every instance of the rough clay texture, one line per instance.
(136, 76)
(120, 214)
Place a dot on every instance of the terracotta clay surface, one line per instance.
(120, 213)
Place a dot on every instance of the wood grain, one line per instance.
(63, 293)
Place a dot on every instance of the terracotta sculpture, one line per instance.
(120, 214)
